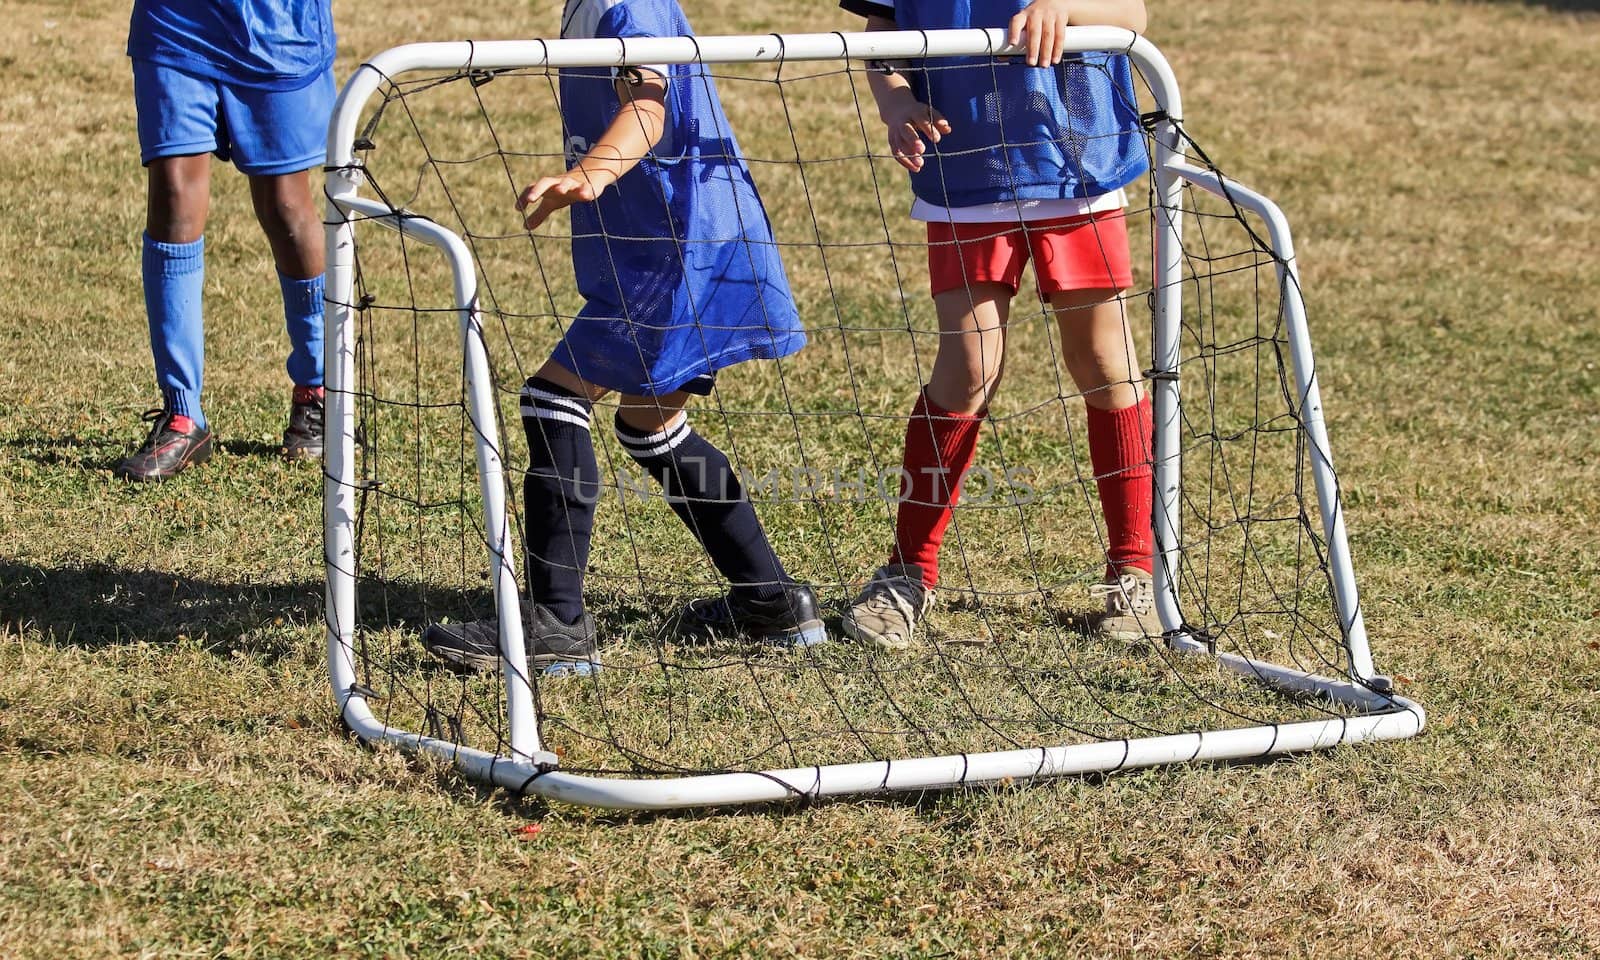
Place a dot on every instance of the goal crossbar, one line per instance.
(1378, 714)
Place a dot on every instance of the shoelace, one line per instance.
(713, 612)
(1129, 594)
(158, 419)
(894, 593)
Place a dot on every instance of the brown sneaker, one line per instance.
(889, 608)
(174, 444)
(1130, 607)
(302, 440)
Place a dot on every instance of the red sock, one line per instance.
(939, 450)
(1120, 451)
(307, 394)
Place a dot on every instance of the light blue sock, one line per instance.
(302, 317)
(174, 279)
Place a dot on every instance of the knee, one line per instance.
(285, 209)
(176, 205)
(288, 219)
(1100, 363)
(966, 378)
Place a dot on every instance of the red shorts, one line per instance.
(1073, 253)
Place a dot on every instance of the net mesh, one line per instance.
(1010, 657)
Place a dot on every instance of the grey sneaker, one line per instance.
(889, 608)
(1130, 607)
(553, 647)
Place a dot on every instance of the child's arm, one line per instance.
(635, 131)
(908, 119)
(1044, 24)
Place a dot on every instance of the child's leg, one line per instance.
(561, 487)
(277, 137)
(177, 202)
(559, 493)
(704, 491)
(288, 216)
(942, 434)
(1098, 348)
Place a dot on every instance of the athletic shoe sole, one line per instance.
(547, 666)
(861, 634)
(809, 634)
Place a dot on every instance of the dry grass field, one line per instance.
(174, 781)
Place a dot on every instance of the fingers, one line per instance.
(906, 147)
(534, 191)
(911, 161)
(537, 216)
(932, 124)
(923, 120)
(1041, 33)
(549, 194)
(909, 138)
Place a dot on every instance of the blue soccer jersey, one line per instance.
(1018, 132)
(675, 261)
(264, 44)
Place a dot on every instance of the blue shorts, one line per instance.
(263, 132)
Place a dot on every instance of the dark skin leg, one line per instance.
(178, 198)
(289, 216)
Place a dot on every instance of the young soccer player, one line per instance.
(1011, 162)
(250, 81)
(680, 277)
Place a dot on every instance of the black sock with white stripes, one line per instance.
(559, 494)
(704, 491)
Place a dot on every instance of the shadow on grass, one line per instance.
(98, 606)
(83, 453)
(93, 606)
(252, 448)
(104, 453)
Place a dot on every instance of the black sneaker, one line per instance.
(553, 647)
(790, 619)
(168, 450)
(302, 440)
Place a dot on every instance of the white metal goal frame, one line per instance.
(1376, 712)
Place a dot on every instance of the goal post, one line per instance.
(511, 734)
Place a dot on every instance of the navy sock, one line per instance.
(704, 491)
(559, 493)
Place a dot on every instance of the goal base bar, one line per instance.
(1396, 718)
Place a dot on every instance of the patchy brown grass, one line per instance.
(174, 782)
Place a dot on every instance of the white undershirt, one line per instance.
(1020, 211)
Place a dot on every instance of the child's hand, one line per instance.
(1044, 24)
(549, 194)
(909, 120)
